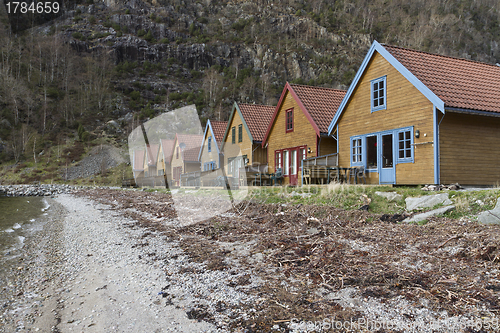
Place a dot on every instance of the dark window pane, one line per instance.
(381, 101)
(381, 85)
(407, 134)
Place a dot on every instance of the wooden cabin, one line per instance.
(185, 156)
(210, 155)
(150, 160)
(164, 158)
(299, 128)
(411, 117)
(138, 165)
(242, 142)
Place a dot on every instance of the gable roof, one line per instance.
(255, 118)
(447, 82)
(217, 129)
(459, 83)
(192, 144)
(138, 160)
(152, 153)
(167, 147)
(318, 104)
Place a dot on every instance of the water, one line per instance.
(19, 219)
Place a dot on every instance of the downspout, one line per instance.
(318, 144)
(337, 139)
(436, 146)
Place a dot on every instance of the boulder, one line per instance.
(427, 201)
(490, 216)
(426, 215)
(390, 196)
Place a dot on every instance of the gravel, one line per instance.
(92, 270)
(101, 157)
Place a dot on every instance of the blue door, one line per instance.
(386, 165)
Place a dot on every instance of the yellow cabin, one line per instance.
(150, 160)
(164, 158)
(299, 128)
(411, 117)
(242, 141)
(185, 156)
(138, 165)
(210, 155)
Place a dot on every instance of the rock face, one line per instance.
(427, 201)
(490, 216)
(390, 196)
(426, 215)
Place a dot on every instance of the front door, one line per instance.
(387, 174)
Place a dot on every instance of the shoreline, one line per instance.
(86, 271)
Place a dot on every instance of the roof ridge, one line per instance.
(256, 104)
(316, 87)
(439, 55)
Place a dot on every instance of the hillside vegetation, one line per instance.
(129, 61)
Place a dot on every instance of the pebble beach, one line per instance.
(85, 272)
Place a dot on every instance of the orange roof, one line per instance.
(192, 146)
(257, 118)
(219, 128)
(459, 83)
(138, 160)
(168, 149)
(152, 153)
(318, 104)
(321, 103)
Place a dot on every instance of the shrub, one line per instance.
(134, 95)
(141, 32)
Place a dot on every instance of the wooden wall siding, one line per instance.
(406, 106)
(176, 162)
(238, 148)
(303, 132)
(160, 163)
(259, 154)
(207, 156)
(469, 149)
(327, 145)
(191, 167)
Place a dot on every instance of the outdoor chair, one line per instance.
(278, 176)
(361, 174)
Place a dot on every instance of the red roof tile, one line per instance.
(152, 153)
(192, 146)
(459, 83)
(219, 128)
(257, 118)
(321, 103)
(168, 149)
(138, 160)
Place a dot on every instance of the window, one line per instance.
(286, 161)
(289, 120)
(209, 144)
(233, 135)
(378, 94)
(405, 148)
(356, 151)
(240, 132)
(277, 160)
(177, 153)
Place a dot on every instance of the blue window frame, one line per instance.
(405, 145)
(357, 151)
(378, 94)
(209, 144)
